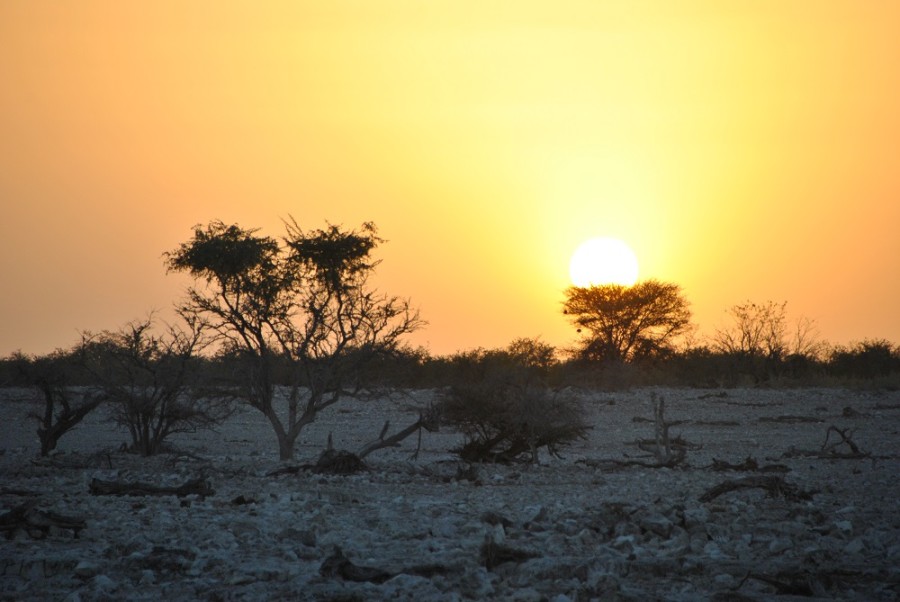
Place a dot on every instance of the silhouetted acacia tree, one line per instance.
(305, 303)
(151, 381)
(627, 323)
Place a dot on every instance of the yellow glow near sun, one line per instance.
(603, 261)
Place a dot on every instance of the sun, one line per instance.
(603, 261)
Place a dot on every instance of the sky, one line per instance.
(745, 150)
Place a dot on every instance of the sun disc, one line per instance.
(603, 261)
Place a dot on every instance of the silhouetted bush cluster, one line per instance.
(507, 414)
(415, 368)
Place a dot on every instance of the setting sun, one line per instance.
(603, 261)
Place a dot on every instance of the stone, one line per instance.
(844, 526)
(724, 580)
(87, 569)
(102, 583)
(856, 546)
(780, 544)
(657, 524)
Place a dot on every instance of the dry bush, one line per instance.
(506, 418)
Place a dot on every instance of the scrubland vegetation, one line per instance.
(298, 315)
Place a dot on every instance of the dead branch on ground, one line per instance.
(494, 554)
(832, 452)
(846, 438)
(790, 419)
(428, 420)
(338, 565)
(750, 464)
(37, 523)
(774, 486)
(198, 486)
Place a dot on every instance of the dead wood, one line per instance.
(750, 464)
(18, 492)
(719, 395)
(669, 452)
(426, 421)
(846, 438)
(886, 406)
(289, 470)
(774, 486)
(339, 566)
(494, 554)
(790, 419)
(198, 486)
(834, 451)
(75, 460)
(331, 461)
(717, 423)
(37, 523)
(824, 581)
(338, 462)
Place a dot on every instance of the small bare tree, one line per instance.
(758, 330)
(64, 405)
(761, 330)
(151, 381)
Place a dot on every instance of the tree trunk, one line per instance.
(285, 446)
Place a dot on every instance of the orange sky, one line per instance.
(746, 150)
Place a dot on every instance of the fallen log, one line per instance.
(200, 487)
(338, 566)
(428, 419)
(774, 486)
(37, 523)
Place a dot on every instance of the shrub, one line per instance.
(151, 382)
(506, 417)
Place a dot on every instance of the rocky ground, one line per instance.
(797, 522)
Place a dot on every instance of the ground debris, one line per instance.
(750, 464)
(821, 582)
(835, 449)
(790, 419)
(339, 566)
(338, 462)
(36, 522)
(199, 486)
(775, 486)
(494, 554)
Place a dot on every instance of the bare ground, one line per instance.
(789, 521)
